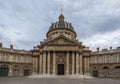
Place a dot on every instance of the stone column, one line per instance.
(87, 62)
(33, 65)
(48, 61)
(73, 61)
(67, 67)
(10, 70)
(40, 64)
(36, 65)
(85, 66)
(81, 64)
(21, 70)
(11, 58)
(0, 57)
(54, 63)
(77, 63)
(44, 62)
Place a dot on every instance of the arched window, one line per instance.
(56, 32)
(4, 57)
(16, 58)
(65, 32)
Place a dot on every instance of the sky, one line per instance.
(24, 23)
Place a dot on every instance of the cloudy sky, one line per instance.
(24, 23)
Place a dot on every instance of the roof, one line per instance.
(61, 24)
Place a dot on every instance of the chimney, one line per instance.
(0, 45)
(98, 49)
(110, 48)
(11, 46)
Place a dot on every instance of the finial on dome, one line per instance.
(61, 17)
(61, 10)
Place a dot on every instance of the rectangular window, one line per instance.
(118, 58)
(91, 59)
(95, 59)
(16, 58)
(4, 57)
(26, 59)
(0, 57)
(105, 59)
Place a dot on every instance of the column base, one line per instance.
(44, 73)
(21, 74)
(54, 73)
(86, 73)
(34, 73)
(77, 74)
(10, 74)
(48, 74)
(66, 74)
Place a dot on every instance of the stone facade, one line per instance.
(60, 54)
(15, 62)
(105, 62)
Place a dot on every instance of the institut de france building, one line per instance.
(60, 54)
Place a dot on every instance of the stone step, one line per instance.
(61, 76)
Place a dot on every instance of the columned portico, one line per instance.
(72, 66)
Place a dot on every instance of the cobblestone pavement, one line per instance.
(25, 80)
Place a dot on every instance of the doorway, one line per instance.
(60, 69)
(4, 70)
(26, 72)
(95, 73)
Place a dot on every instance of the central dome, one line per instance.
(61, 25)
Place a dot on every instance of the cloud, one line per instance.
(104, 40)
(24, 23)
(107, 24)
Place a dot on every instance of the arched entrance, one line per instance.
(117, 71)
(105, 71)
(60, 69)
(4, 70)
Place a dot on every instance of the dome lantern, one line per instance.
(61, 17)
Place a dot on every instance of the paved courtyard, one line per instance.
(25, 80)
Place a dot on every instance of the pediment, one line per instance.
(61, 41)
